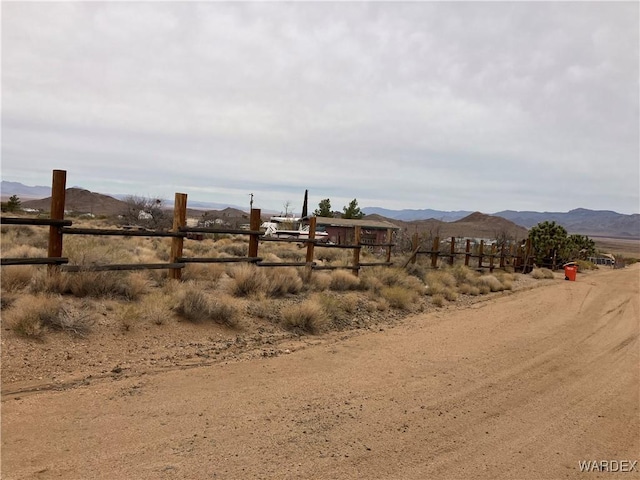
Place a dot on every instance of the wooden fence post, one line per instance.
(254, 225)
(435, 250)
(58, 192)
(502, 256)
(356, 251)
(310, 246)
(179, 220)
(492, 257)
(453, 251)
(467, 253)
(389, 242)
(480, 252)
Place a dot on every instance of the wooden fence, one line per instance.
(59, 227)
(515, 257)
(519, 257)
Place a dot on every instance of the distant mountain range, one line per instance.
(580, 220)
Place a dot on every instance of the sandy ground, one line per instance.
(520, 386)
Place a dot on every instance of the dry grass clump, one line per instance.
(450, 294)
(196, 306)
(235, 249)
(246, 280)
(330, 255)
(399, 296)
(492, 282)
(338, 308)
(290, 252)
(16, 277)
(438, 300)
(541, 273)
(129, 286)
(342, 280)
(33, 316)
(23, 251)
(23, 235)
(283, 280)
(308, 317)
(210, 273)
(320, 281)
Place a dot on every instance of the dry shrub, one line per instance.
(23, 251)
(290, 252)
(235, 249)
(320, 281)
(438, 300)
(382, 304)
(224, 310)
(329, 254)
(246, 280)
(450, 294)
(204, 272)
(475, 291)
(16, 277)
(109, 284)
(265, 309)
(464, 289)
(193, 305)
(443, 278)
(492, 282)
(283, 280)
(541, 273)
(32, 316)
(464, 275)
(484, 288)
(196, 306)
(308, 316)
(418, 270)
(338, 307)
(342, 280)
(155, 308)
(399, 297)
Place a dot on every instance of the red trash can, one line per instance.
(570, 272)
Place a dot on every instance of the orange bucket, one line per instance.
(570, 272)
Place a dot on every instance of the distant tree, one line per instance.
(13, 204)
(352, 211)
(548, 241)
(147, 212)
(324, 209)
(579, 247)
(287, 206)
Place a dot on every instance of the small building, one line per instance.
(341, 231)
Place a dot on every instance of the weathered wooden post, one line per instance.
(480, 253)
(467, 253)
(254, 226)
(502, 256)
(389, 242)
(58, 192)
(453, 251)
(179, 220)
(435, 250)
(356, 251)
(310, 246)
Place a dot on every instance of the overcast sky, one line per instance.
(450, 106)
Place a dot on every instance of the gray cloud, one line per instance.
(481, 106)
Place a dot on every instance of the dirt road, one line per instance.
(523, 386)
